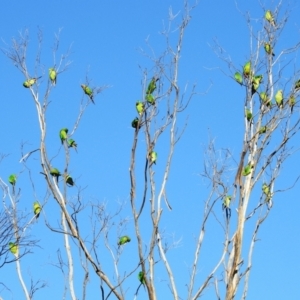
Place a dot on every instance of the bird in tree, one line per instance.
(55, 173)
(247, 169)
(153, 157)
(69, 180)
(279, 98)
(14, 249)
(139, 107)
(268, 49)
(30, 82)
(292, 102)
(37, 209)
(265, 99)
(238, 78)
(88, 91)
(12, 179)
(150, 99)
(52, 75)
(248, 114)
(72, 144)
(152, 86)
(226, 206)
(141, 277)
(266, 190)
(247, 69)
(63, 134)
(269, 17)
(297, 85)
(134, 123)
(262, 129)
(256, 80)
(123, 240)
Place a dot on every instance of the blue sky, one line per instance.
(105, 39)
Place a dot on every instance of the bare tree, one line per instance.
(268, 129)
(162, 102)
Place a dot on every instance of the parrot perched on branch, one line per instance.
(269, 17)
(139, 107)
(52, 75)
(247, 170)
(13, 247)
(292, 102)
(256, 81)
(265, 99)
(123, 240)
(12, 179)
(266, 190)
(262, 129)
(297, 85)
(248, 115)
(152, 86)
(150, 99)
(72, 144)
(141, 277)
(135, 123)
(69, 180)
(238, 78)
(37, 209)
(88, 91)
(279, 98)
(247, 69)
(226, 206)
(30, 82)
(153, 157)
(268, 49)
(55, 173)
(63, 134)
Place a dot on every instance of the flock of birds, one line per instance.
(248, 78)
(63, 134)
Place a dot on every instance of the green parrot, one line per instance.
(292, 102)
(152, 86)
(248, 115)
(37, 209)
(30, 82)
(238, 78)
(153, 157)
(279, 98)
(247, 170)
(266, 190)
(72, 144)
(226, 206)
(54, 172)
(297, 85)
(256, 80)
(265, 99)
(262, 129)
(150, 99)
(141, 277)
(135, 123)
(139, 107)
(13, 247)
(226, 202)
(69, 180)
(63, 134)
(88, 91)
(52, 75)
(247, 69)
(269, 17)
(268, 49)
(12, 179)
(123, 240)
